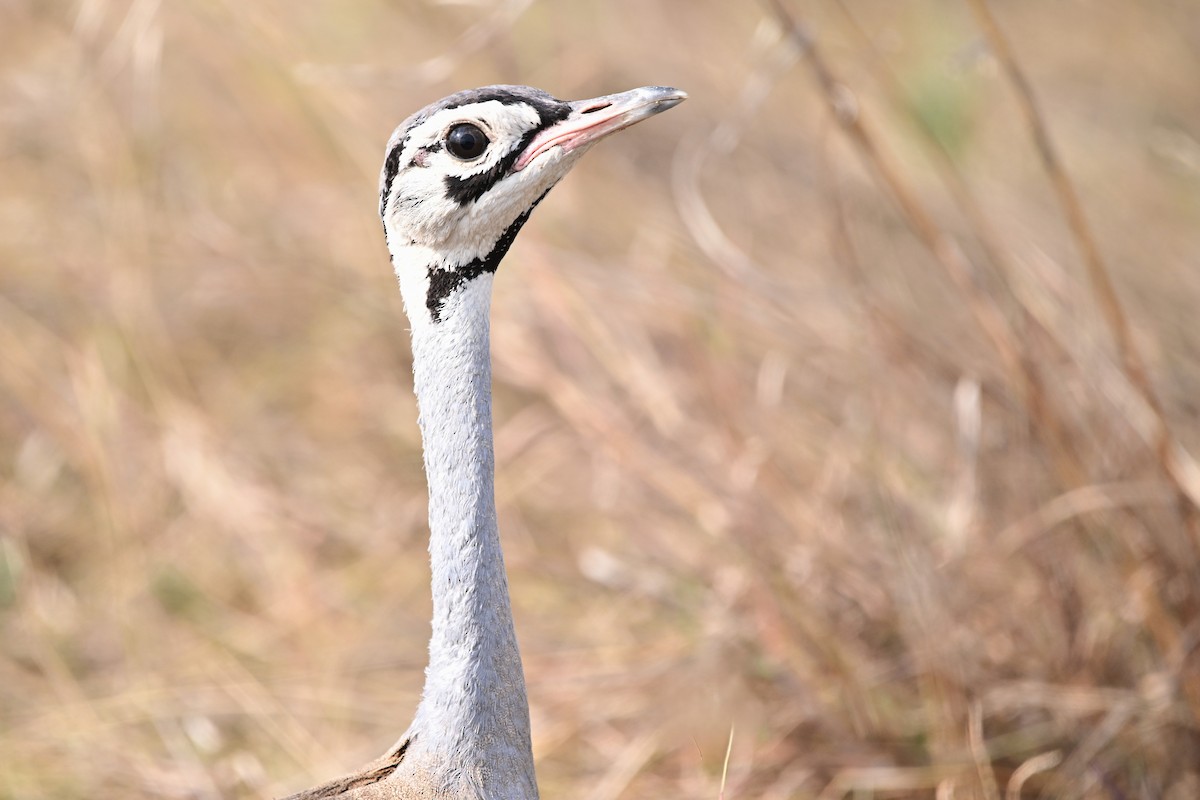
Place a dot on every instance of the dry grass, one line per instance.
(815, 416)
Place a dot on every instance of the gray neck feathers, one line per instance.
(474, 713)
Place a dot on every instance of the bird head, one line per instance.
(463, 174)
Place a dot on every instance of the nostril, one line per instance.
(595, 108)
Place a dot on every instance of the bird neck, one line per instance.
(473, 714)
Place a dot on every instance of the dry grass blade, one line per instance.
(1177, 464)
(1039, 763)
(945, 249)
(886, 779)
(725, 764)
(979, 752)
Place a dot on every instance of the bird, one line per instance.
(460, 178)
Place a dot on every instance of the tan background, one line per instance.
(760, 465)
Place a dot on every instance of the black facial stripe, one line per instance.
(391, 167)
(443, 282)
(469, 189)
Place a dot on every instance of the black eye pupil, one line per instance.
(466, 141)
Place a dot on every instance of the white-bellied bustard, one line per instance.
(460, 179)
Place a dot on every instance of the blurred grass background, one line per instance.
(760, 465)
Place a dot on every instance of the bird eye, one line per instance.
(466, 141)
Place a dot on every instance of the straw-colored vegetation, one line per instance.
(831, 407)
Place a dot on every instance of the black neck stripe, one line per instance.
(444, 282)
